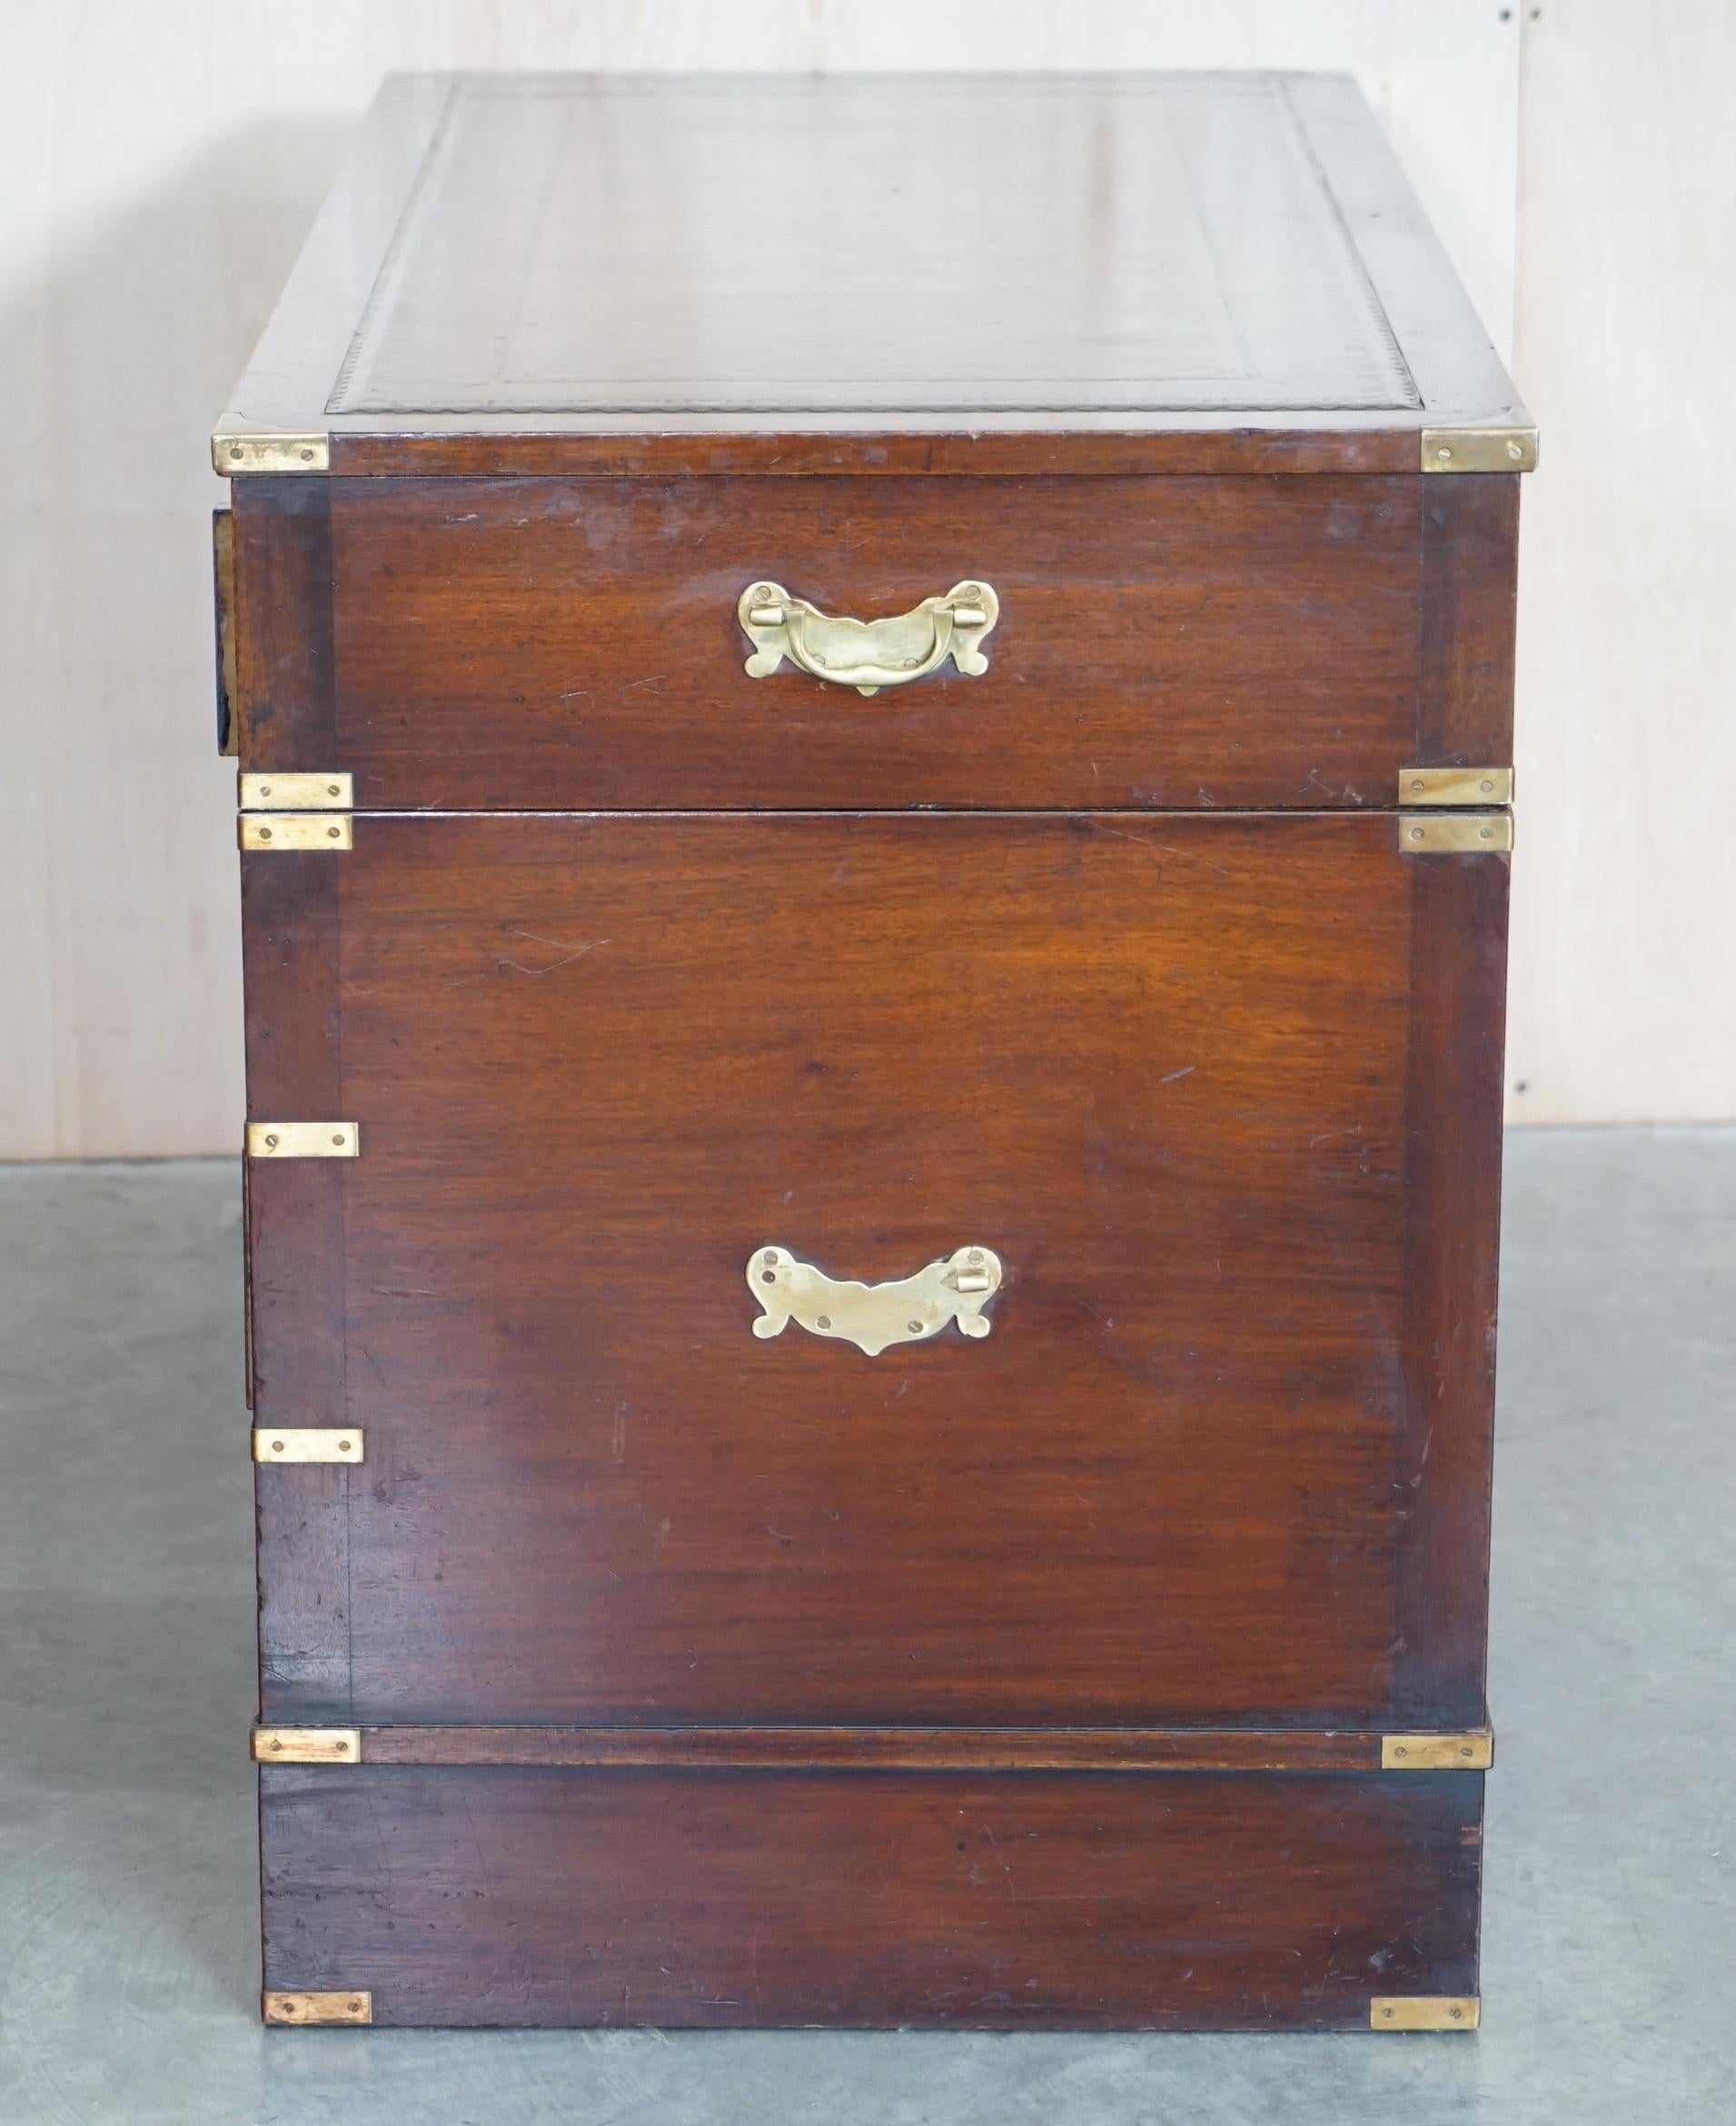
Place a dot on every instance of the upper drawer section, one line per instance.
(546, 644)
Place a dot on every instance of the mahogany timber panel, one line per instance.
(984, 1749)
(745, 1899)
(552, 644)
(1164, 1066)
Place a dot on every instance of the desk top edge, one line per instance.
(294, 377)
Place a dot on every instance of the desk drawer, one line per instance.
(1217, 1099)
(540, 645)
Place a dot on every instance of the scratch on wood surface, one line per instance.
(569, 953)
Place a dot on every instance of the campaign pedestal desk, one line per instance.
(874, 734)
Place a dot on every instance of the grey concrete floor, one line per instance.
(128, 1914)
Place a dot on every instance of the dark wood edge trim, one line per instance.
(1007, 453)
(1470, 568)
(1443, 1441)
(292, 910)
(885, 1748)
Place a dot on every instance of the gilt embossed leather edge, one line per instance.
(874, 731)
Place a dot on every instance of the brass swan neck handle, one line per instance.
(875, 1317)
(867, 654)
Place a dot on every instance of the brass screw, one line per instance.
(1485, 784)
(1456, 2014)
(1515, 453)
(307, 457)
(337, 1137)
(276, 1743)
(356, 2007)
(823, 1321)
(915, 1328)
(1485, 833)
(1386, 2014)
(1465, 1752)
(331, 789)
(265, 789)
(340, 1749)
(1401, 1750)
(234, 450)
(1416, 783)
(277, 1446)
(976, 1254)
(1417, 834)
(332, 833)
(264, 834)
(270, 1142)
(343, 1448)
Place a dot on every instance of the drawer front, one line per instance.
(1248, 642)
(504, 1896)
(1218, 1097)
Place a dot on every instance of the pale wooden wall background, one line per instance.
(159, 164)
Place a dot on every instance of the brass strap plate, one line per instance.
(1424, 2011)
(307, 1745)
(873, 1316)
(284, 2009)
(1455, 786)
(1474, 1751)
(867, 654)
(283, 1442)
(277, 450)
(1455, 834)
(1479, 450)
(303, 1140)
(324, 792)
(287, 830)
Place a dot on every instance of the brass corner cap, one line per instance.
(282, 833)
(1454, 833)
(303, 1140)
(287, 2009)
(303, 1443)
(1424, 2011)
(1453, 786)
(236, 451)
(307, 1745)
(1480, 450)
(1471, 1751)
(329, 790)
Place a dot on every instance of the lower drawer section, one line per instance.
(509, 1894)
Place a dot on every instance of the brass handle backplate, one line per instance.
(873, 1316)
(866, 654)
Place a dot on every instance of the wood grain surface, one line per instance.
(979, 1749)
(1167, 1068)
(743, 1898)
(1172, 643)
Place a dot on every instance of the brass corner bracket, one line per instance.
(1424, 2011)
(269, 451)
(300, 1442)
(303, 1140)
(307, 1745)
(1474, 1752)
(283, 2009)
(1454, 833)
(328, 791)
(282, 831)
(1479, 450)
(1455, 786)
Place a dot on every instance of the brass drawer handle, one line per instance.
(872, 1316)
(866, 654)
